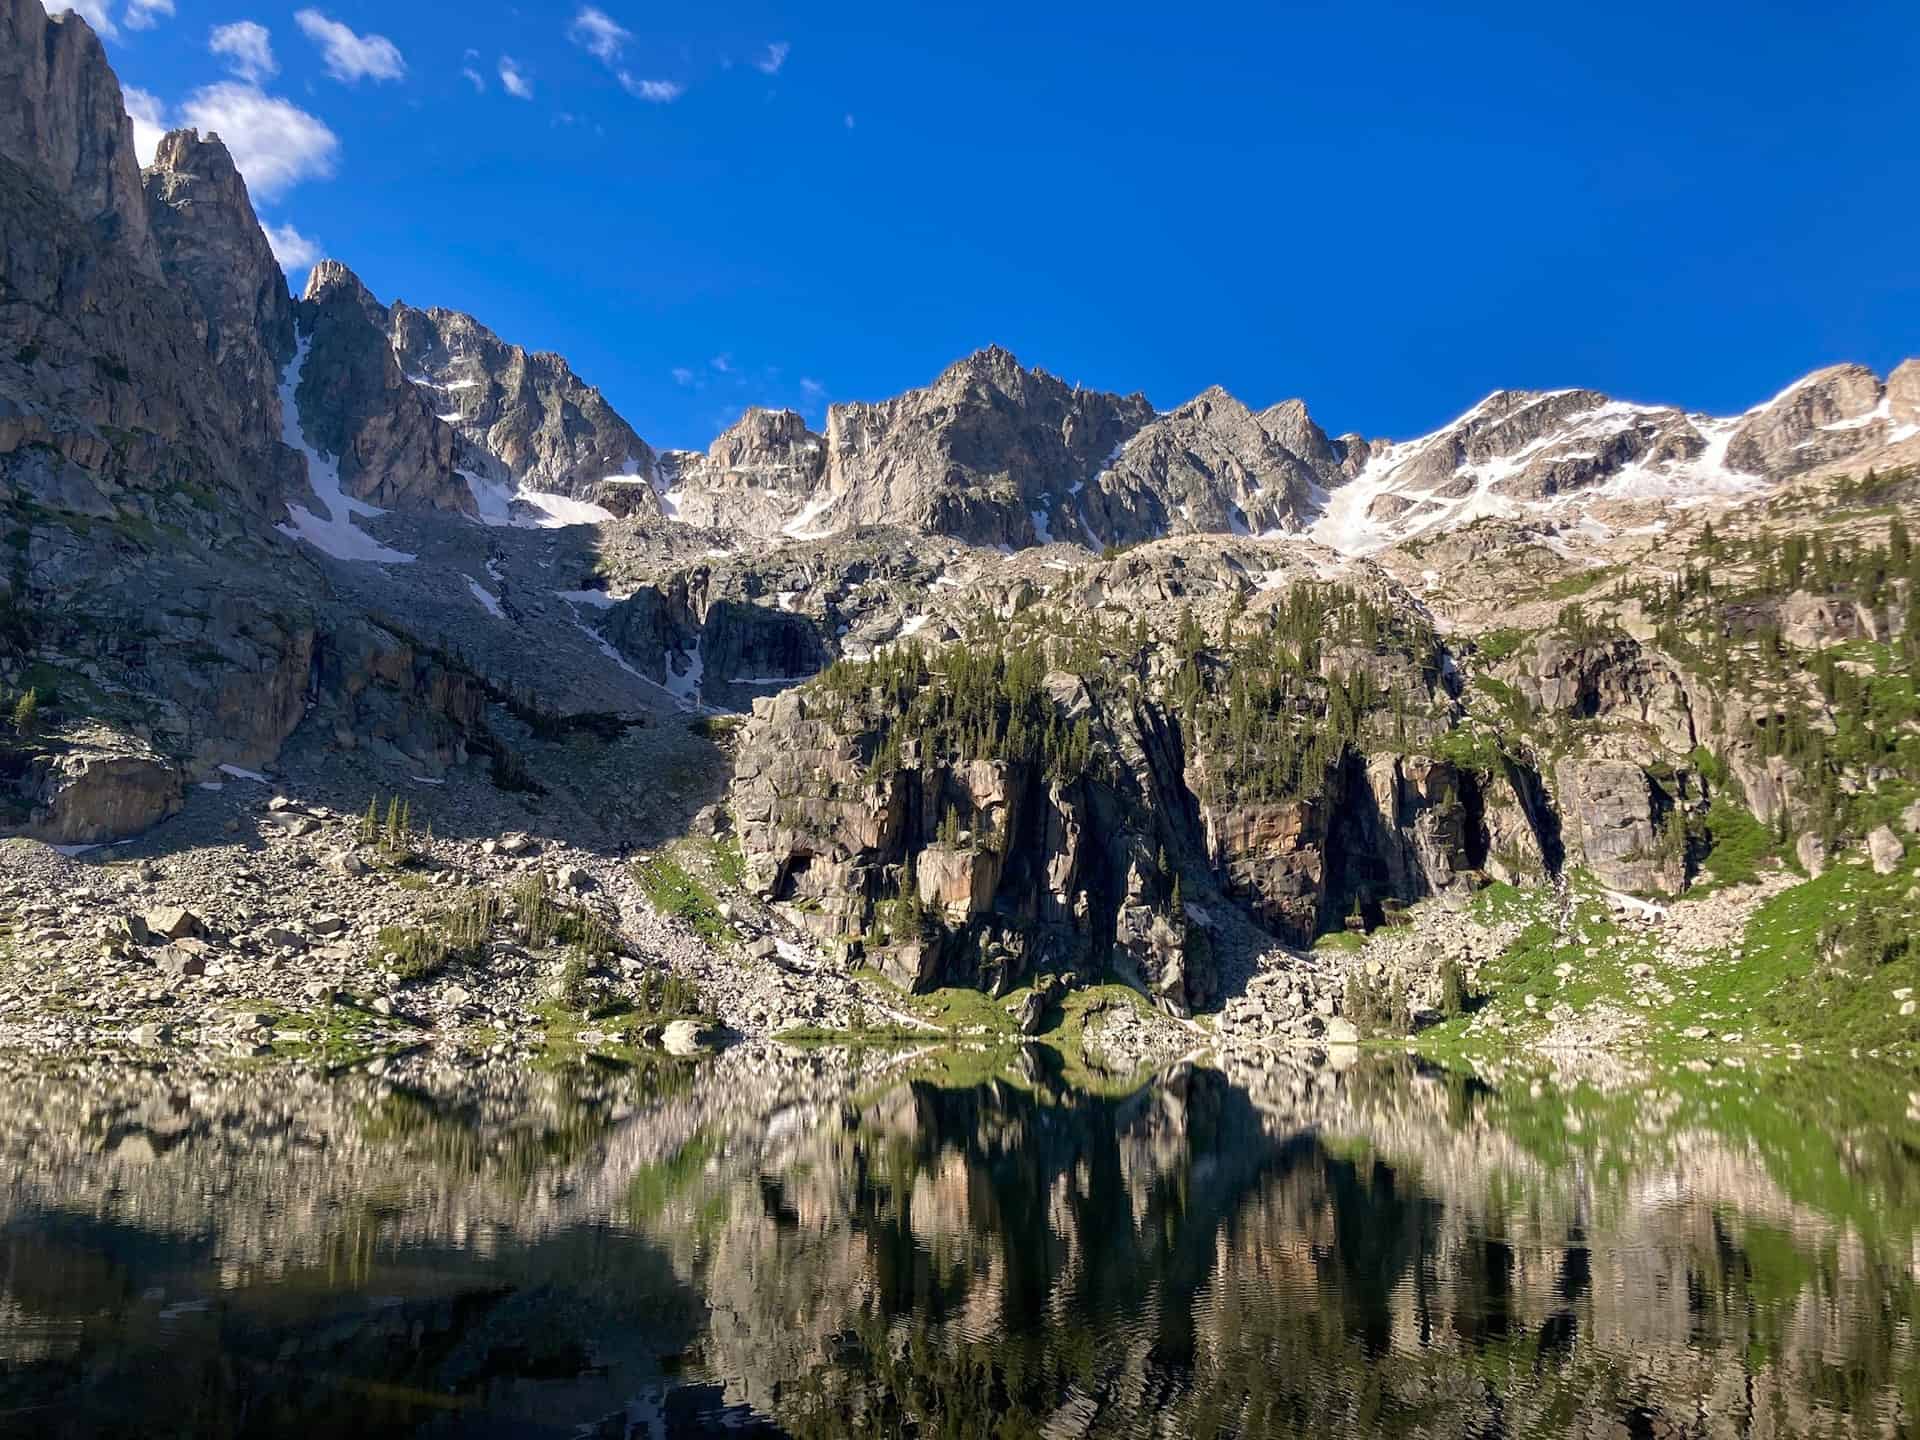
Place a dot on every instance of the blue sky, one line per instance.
(1387, 210)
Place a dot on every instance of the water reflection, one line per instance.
(783, 1245)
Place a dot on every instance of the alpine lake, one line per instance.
(995, 1243)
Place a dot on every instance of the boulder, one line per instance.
(183, 960)
(1811, 851)
(172, 922)
(689, 1037)
(1885, 850)
(90, 797)
(1030, 1012)
(345, 862)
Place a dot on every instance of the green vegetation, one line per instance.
(546, 918)
(673, 891)
(458, 933)
(394, 837)
(1274, 720)
(980, 701)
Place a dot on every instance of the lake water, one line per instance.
(770, 1246)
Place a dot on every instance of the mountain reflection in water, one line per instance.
(776, 1245)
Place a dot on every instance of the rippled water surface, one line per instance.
(963, 1247)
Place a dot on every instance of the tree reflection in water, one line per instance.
(774, 1248)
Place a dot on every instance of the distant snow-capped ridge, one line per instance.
(996, 454)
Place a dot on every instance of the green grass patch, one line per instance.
(673, 891)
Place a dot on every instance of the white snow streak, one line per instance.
(335, 534)
(488, 601)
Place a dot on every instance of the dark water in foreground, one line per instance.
(765, 1249)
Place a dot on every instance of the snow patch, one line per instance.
(598, 599)
(489, 602)
(1040, 530)
(336, 534)
(562, 510)
(686, 685)
(237, 773)
(800, 527)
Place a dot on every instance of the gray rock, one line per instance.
(1030, 1012)
(1341, 1031)
(688, 1037)
(172, 922)
(1885, 850)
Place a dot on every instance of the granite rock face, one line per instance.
(358, 406)
(1210, 465)
(759, 476)
(524, 416)
(62, 115)
(211, 246)
(1617, 817)
(976, 455)
(1829, 415)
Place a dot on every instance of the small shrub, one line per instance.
(669, 996)
(418, 953)
(26, 714)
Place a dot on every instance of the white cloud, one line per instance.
(599, 34)
(479, 80)
(682, 375)
(293, 250)
(659, 92)
(775, 57)
(275, 143)
(248, 49)
(849, 121)
(350, 57)
(149, 118)
(811, 388)
(97, 13)
(723, 363)
(145, 14)
(514, 79)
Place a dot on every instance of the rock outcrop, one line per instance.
(525, 416)
(759, 476)
(211, 246)
(1211, 465)
(977, 454)
(357, 406)
(62, 115)
(1827, 416)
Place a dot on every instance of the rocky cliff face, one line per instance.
(357, 405)
(976, 455)
(1210, 466)
(525, 417)
(759, 476)
(1234, 763)
(61, 114)
(211, 247)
